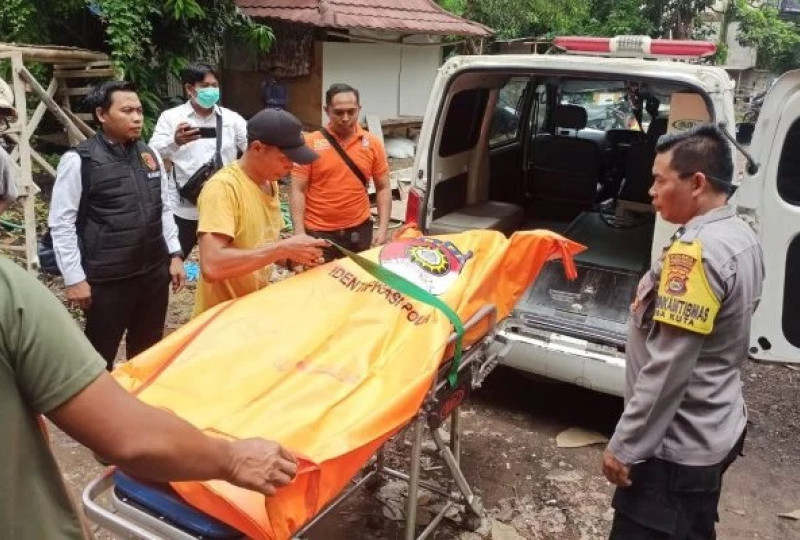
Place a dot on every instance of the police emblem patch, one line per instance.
(149, 161)
(685, 298)
(679, 265)
(432, 264)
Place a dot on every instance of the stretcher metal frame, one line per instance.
(442, 402)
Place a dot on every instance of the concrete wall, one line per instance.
(739, 56)
(393, 79)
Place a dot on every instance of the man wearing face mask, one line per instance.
(186, 135)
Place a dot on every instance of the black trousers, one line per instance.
(668, 501)
(137, 305)
(187, 234)
(358, 238)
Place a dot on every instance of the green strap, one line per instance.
(404, 286)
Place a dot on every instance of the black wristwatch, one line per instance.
(178, 253)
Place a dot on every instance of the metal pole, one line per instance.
(455, 434)
(413, 480)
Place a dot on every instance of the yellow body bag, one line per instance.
(330, 363)
(685, 298)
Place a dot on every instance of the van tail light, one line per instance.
(635, 46)
(413, 206)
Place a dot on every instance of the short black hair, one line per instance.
(101, 95)
(196, 72)
(701, 148)
(340, 88)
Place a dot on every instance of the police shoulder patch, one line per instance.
(685, 298)
(149, 161)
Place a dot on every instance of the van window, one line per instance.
(463, 122)
(540, 106)
(789, 166)
(605, 102)
(506, 121)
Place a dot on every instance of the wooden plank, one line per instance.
(78, 121)
(88, 74)
(82, 91)
(38, 159)
(402, 121)
(18, 73)
(38, 114)
(52, 54)
(82, 65)
(86, 117)
(25, 75)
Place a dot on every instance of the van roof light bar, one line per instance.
(635, 47)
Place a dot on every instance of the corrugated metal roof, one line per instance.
(413, 16)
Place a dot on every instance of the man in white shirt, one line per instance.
(177, 137)
(8, 187)
(114, 235)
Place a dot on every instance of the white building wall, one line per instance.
(393, 79)
(739, 56)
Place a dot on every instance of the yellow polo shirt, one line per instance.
(233, 205)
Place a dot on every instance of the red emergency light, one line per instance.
(635, 46)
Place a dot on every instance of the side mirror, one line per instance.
(744, 132)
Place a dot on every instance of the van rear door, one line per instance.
(775, 188)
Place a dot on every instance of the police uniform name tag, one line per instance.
(685, 298)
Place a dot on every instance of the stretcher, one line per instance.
(146, 511)
(341, 436)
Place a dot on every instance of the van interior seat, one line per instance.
(639, 173)
(493, 215)
(566, 168)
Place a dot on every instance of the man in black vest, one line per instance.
(114, 235)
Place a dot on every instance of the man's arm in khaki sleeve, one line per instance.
(157, 445)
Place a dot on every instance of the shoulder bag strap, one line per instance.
(217, 153)
(339, 150)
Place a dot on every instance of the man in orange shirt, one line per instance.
(329, 197)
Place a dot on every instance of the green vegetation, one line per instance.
(146, 38)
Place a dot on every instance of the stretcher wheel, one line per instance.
(471, 521)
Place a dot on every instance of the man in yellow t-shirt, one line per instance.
(240, 218)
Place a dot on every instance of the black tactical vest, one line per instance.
(122, 234)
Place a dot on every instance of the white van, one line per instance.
(567, 143)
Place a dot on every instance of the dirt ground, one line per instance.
(532, 489)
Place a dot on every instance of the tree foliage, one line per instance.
(518, 18)
(776, 39)
(147, 39)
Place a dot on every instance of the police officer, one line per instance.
(684, 418)
(114, 236)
